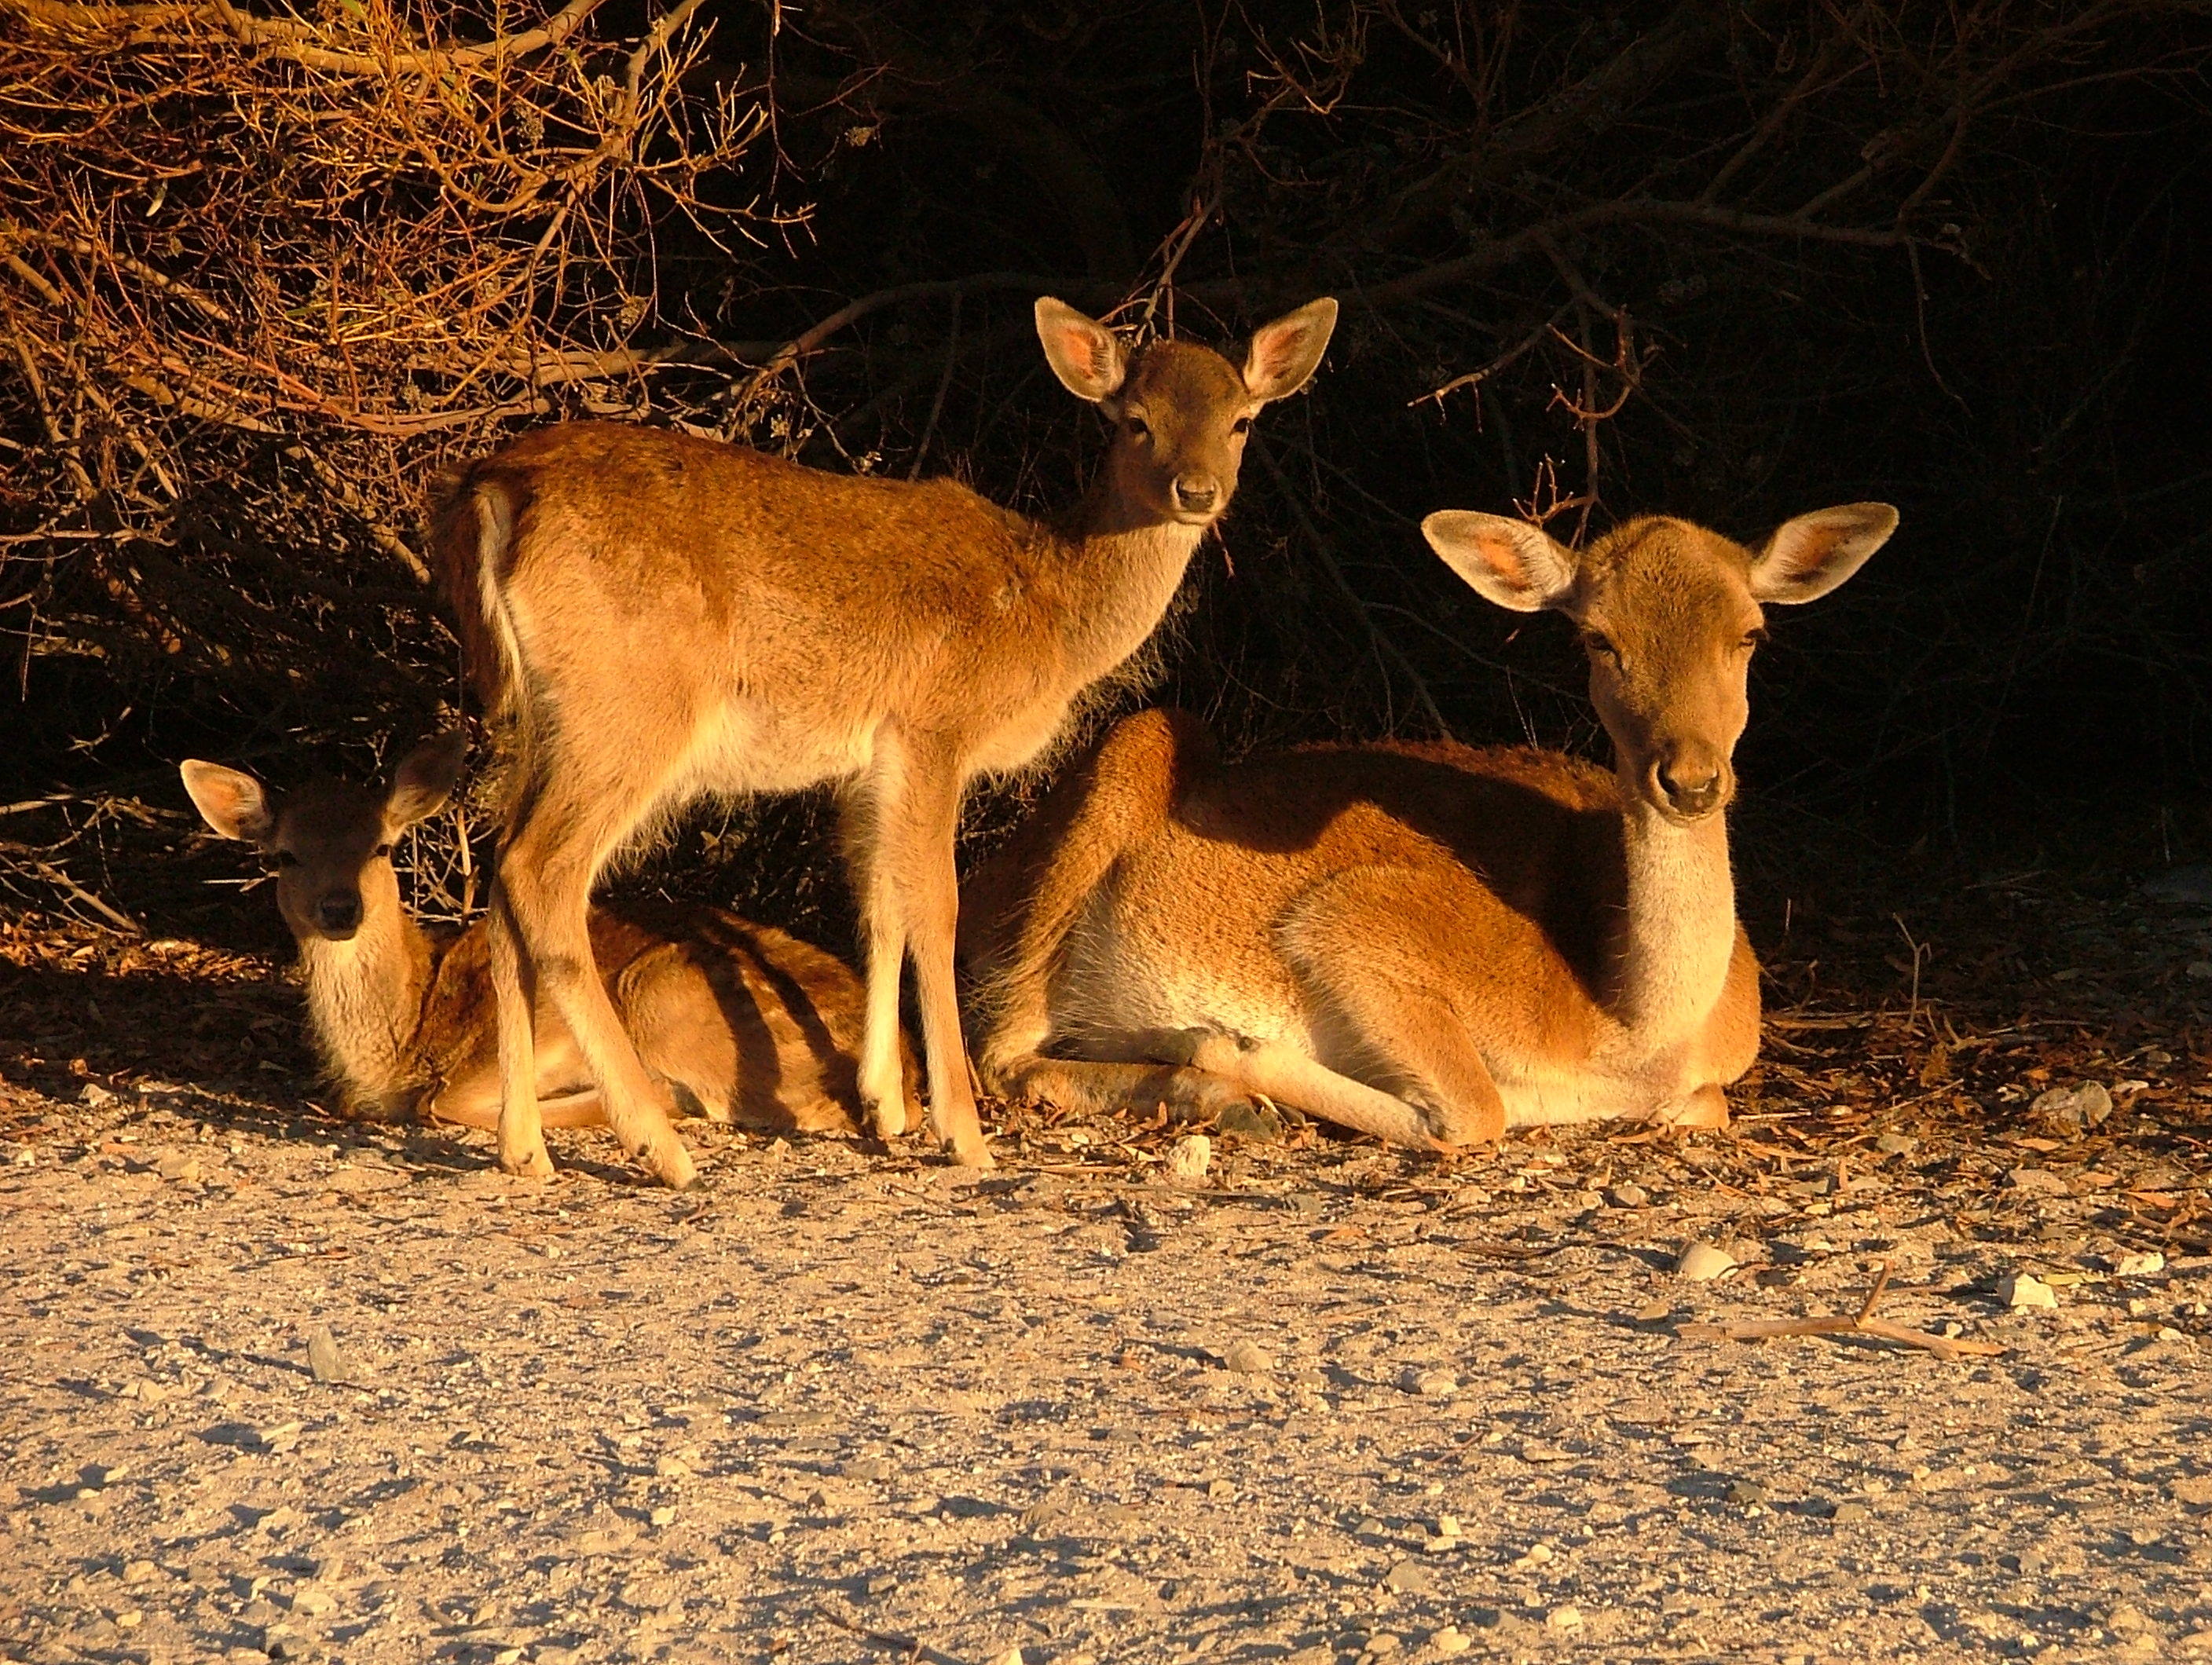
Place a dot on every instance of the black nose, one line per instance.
(1196, 493)
(336, 913)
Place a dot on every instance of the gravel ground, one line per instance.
(1324, 1404)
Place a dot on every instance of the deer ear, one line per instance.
(1809, 556)
(1083, 353)
(1510, 562)
(425, 779)
(232, 803)
(1285, 354)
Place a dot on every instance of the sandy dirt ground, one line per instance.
(276, 1386)
(1327, 1404)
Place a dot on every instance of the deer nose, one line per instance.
(338, 915)
(1693, 781)
(1196, 492)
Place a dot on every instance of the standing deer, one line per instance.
(667, 618)
(749, 1024)
(1422, 942)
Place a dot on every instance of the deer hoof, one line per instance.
(974, 1152)
(891, 1117)
(671, 1163)
(527, 1164)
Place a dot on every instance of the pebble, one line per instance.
(1701, 1263)
(1564, 1619)
(2084, 1104)
(1630, 1196)
(1847, 1512)
(1897, 1145)
(1746, 1492)
(1451, 1640)
(1411, 1578)
(2021, 1292)
(1011, 1657)
(1189, 1157)
(140, 1572)
(664, 1515)
(2040, 1181)
(1652, 1312)
(1247, 1359)
(1436, 1384)
(1381, 1643)
(324, 1362)
(2141, 1265)
(311, 1601)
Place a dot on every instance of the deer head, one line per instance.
(1669, 614)
(330, 843)
(1181, 412)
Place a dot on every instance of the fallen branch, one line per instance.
(1863, 1323)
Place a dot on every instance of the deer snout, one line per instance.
(338, 916)
(1690, 780)
(1197, 494)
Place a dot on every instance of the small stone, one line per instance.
(2022, 1291)
(1630, 1196)
(324, 1362)
(1701, 1263)
(1449, 1640)
(1447, 1526)
(2041, 1180)
(1564, 1619)
(664, 1515)
(1247, 1359)
(95, 1095)
(180, 1167)
(2140, 1265)
(1436, 1384)
(1409, 1578)
(1652, 1312)
(140, 1572)
(1897, 1145)
(867, 1468)
(1847, 1512)
(310, 1601)
(1189, 1157)
(2195, 1489)
(672, 1467)
(1746, 1492)
(2072, 1109)
(1380, 1644)
(1011, 1657)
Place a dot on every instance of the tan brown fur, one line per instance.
(666, 618)
(1425, 942)
(747, 1024)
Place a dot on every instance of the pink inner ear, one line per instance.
(1082, 346)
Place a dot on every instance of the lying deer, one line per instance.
(667, 618)
(1422, 942)
(750, 1025)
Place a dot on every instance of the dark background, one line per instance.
(1788, 255)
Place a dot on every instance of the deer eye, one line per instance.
(1598, 642)
(1138, 428)
(1241, 425)
(380, 852)
(1752, 638)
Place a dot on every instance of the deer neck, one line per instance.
(1678, 922)
(365, 999)
(1123, 567)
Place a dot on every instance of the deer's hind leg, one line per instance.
(1383, 1015)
